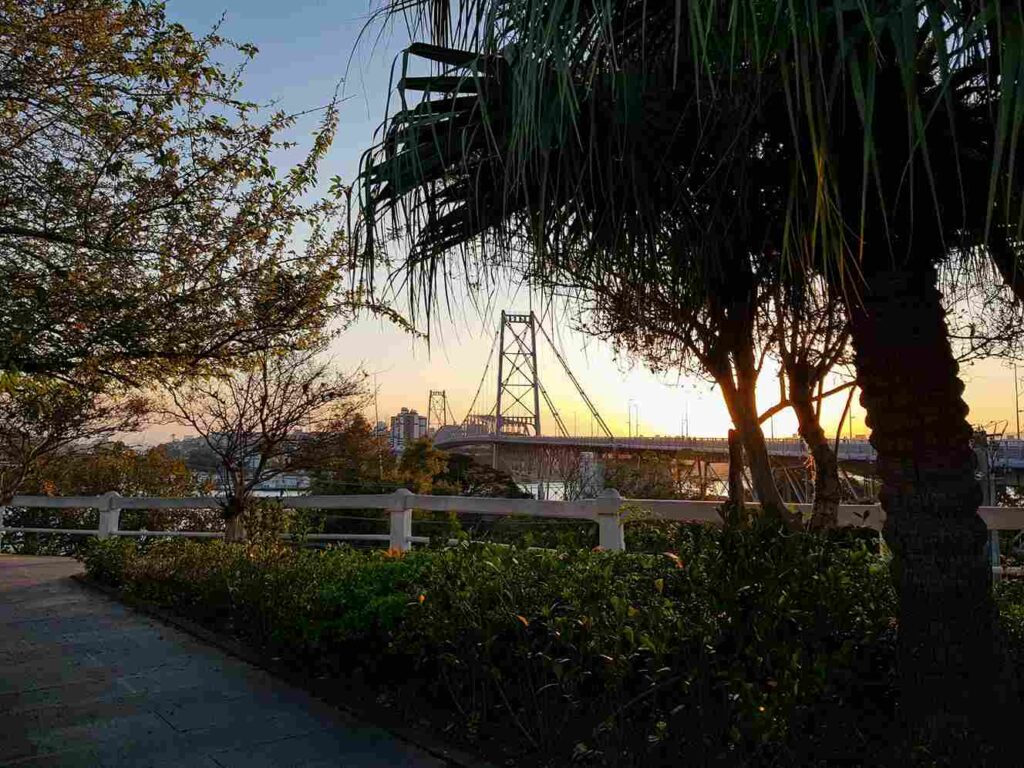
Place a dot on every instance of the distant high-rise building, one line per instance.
(407, 426)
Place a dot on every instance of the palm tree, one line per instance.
(869, 143)
(442, 172)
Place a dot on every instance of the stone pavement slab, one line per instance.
(85, 681)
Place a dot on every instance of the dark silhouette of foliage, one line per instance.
(870, 143)
(264, 419)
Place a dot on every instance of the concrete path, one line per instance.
(85, 681)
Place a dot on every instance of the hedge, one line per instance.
(751, 647)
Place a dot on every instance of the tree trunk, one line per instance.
(755, 450)
(734, 511)
(955, 687)
(827, 491)
(762, 478)
(234, 528)
(741, 400)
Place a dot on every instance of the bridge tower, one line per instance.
(517, 407)
(437, 411)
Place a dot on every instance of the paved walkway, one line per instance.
(85, 681)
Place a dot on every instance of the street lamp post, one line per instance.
(1016, 398)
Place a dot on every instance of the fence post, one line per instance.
(610, 534)
(110, 516)
(983, 450)
(993, 551)
(3, 511)
(401, 520)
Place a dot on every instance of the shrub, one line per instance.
(746, 647)
(108, 560)
(722, 651)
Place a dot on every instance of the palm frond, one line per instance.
(662, 137)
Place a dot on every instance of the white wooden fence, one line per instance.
(610, 511)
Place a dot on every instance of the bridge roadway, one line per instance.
(1008, 453)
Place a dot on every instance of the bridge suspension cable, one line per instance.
(554, 411)
(480, 386)
(579, 387)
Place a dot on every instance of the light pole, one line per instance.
(634, 416)
(1016, 399)
(376, 414)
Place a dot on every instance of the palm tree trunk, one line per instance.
(827, 491)
(952, 659)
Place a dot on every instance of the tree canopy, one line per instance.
(267, 417)
(42, 417)
(144, 228)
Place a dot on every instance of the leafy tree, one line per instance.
(95, 470)
(660, 323)
(42, 417)
(114, 466)
(648, 476)
(871, 143)
(352, 460)
(984, 321)
(808, 333)
(262, 420)
(144, 230)
(419, 464)
(194, 453)
(464, 476)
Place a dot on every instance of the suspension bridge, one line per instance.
(513, 423)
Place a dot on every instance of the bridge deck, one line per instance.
(1006, 453)
(85, 681)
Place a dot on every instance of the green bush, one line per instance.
(752, 647)
(108, 560)
(723, 653)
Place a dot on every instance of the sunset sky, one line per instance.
(307, 48)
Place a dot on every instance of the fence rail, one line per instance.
(610, 511)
